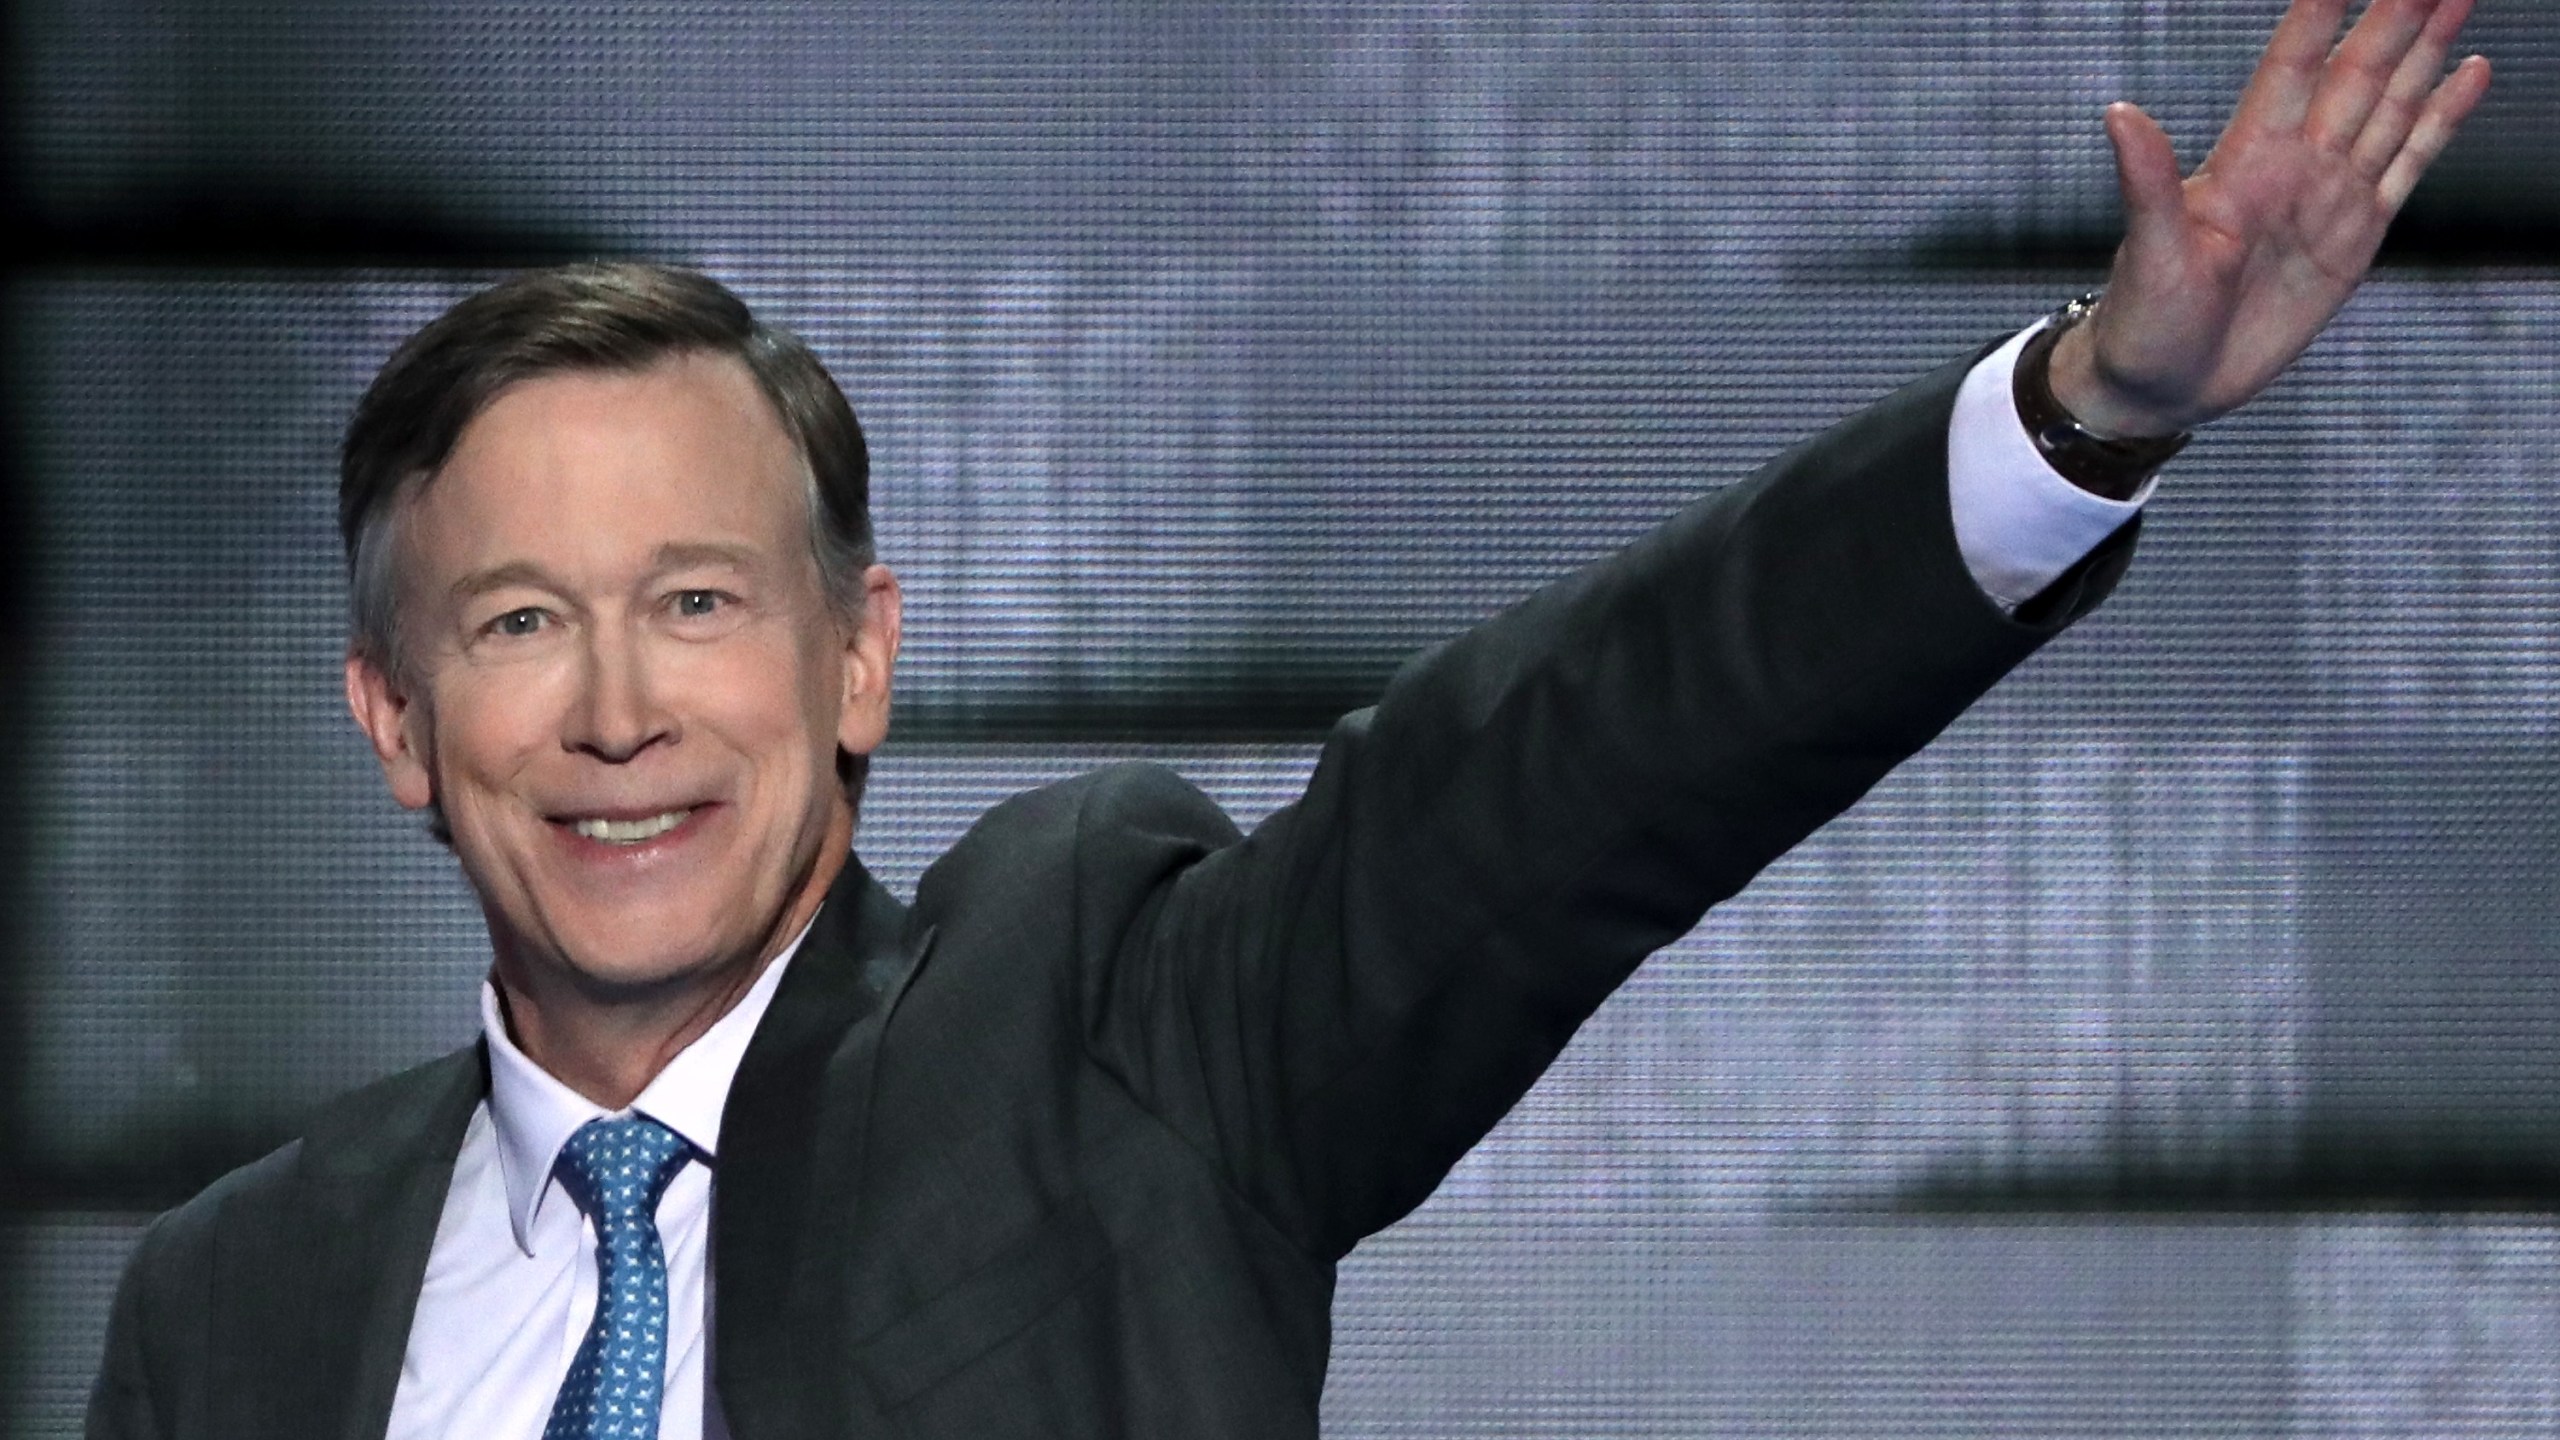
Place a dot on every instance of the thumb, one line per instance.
(2146, 170)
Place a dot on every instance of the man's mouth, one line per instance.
(631, 832)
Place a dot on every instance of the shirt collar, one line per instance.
(533, 1114)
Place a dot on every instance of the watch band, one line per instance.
(2114, 468)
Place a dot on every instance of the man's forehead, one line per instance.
(687, 452)
(687, 400)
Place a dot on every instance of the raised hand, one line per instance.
(2223, 278)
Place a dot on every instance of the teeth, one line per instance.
(630, 832)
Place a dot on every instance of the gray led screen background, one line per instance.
(2170, 1049)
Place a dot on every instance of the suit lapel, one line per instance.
(322, 1287)
(790, 1155)
(326, 1281)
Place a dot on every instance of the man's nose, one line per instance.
(619, 713)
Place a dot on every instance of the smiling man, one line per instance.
(616, 659)
(1071, 1145)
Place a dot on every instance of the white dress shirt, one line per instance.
(511, 1282)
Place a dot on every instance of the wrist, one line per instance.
(2101, 408)
(2085, 449)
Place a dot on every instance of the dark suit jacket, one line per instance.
(1070, 1146)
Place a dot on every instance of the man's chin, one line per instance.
(627, 963)
(633, 974)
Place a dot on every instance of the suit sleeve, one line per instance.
(1337, 1006)
(121, 1403)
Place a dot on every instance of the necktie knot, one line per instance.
(619, 1168)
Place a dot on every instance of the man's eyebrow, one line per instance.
(674, 555)
(687, 554)
(501, 577)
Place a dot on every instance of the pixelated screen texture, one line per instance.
(2086, 1079)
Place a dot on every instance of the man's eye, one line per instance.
(517, 622)
(697, 603)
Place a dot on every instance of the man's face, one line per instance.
(620, 676)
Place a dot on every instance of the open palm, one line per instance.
(2226, 276)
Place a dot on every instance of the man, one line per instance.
(1071, 1146)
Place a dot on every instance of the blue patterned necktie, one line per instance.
(616, 1170)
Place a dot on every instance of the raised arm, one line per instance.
(1342, 1003)
(1339, 1005)
(2226, 276)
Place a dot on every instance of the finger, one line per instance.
(2357, 76)
(2146, 172)
(2421, 70)
(2279, 94)
(2445, 111)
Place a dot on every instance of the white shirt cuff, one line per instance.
(2019, 524)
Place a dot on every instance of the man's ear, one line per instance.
(383, 712)
(870, 652)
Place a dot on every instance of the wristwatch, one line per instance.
(2114, 468)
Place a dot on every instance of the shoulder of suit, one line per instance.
(1132, 795)
(364, 1128)
(376, 1123)
(1131, 809)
